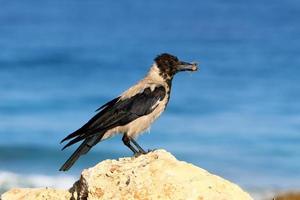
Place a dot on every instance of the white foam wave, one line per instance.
(11, 180)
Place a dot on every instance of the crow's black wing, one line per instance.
(109, 104)
(118, 112)
(103, 109)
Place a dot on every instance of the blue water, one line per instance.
(237, 117)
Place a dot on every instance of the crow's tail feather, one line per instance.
(81, 150)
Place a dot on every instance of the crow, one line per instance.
(132, 112)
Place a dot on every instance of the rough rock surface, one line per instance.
(36, 194)
(288, 196)
(157, 175)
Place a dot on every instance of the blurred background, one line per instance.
(238, 117)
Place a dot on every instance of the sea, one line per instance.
(237, 117)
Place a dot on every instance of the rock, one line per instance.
(288, 196)
(36, 194)
(156, 175)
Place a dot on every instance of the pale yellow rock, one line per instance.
(156, 175)
(36, 194)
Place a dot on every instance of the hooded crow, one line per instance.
(132, 112)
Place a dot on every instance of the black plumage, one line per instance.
(112, 114)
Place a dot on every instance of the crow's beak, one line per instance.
(185, 66)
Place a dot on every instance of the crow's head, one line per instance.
(169, 65)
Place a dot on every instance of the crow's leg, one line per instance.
(126, 141)
(140, 149)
